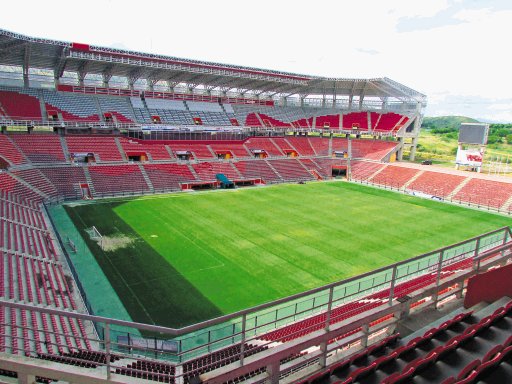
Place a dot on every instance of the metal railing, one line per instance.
(252, 330)
(480, 203)
(163, 127)
(204, 337)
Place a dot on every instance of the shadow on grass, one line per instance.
(151, 290)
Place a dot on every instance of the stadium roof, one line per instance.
(60, 56)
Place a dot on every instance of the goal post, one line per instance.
(95, 235)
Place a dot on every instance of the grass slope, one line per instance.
(202, 255)
(453, 122)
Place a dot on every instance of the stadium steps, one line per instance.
(376, 172)
(120, 148)
(508, 203)
(193, 171)
(248, 150)
(330, 147)
(18, 148)
(44, 113)
(65, 148)
(235, 169)
(3, 112)
(259, 119)
(376, 123)
(23, 224)
(312, 147)
(132, 110)
(143, 99)
(413, 179)
(459, 187)
(292, 146)
(169, 151)
(146, 178)
(89, 181)
(211, 151)
(275, 170)
(96, 102)
(275, 145)
(29, 186)
(307, 169)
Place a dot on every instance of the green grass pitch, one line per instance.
(200, 255)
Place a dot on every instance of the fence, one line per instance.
(251, 330)
(394, 186)
(333, 303)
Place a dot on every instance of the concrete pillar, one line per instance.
(400, 153)
(323, 357)
(364, 339)
(273, 373)
(26, 378)
(25, 80)
(414, 143)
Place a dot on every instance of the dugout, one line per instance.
(224, 182)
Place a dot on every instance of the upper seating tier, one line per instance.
(40, 148)
(105, 147)
(19, 106)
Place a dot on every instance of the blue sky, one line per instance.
(456, 52)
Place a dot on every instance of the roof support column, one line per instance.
(106, 78)
(26, 66)
(82, 72)
(362, 95)
(334, 95)
(171, 85)
(151, 84)
(106, 75)
(81, 78)
(302, 99)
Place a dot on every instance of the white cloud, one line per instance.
(326, 38)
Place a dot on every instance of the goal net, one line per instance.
(95, 235)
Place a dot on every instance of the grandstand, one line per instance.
(64, 141)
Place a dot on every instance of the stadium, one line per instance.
(180, 221)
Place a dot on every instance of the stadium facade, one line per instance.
(84, 122)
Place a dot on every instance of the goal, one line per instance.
(95, 235)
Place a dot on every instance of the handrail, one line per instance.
(23, 122)
(258, 308)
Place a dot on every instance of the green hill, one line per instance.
(438, 139)
(450, 122)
